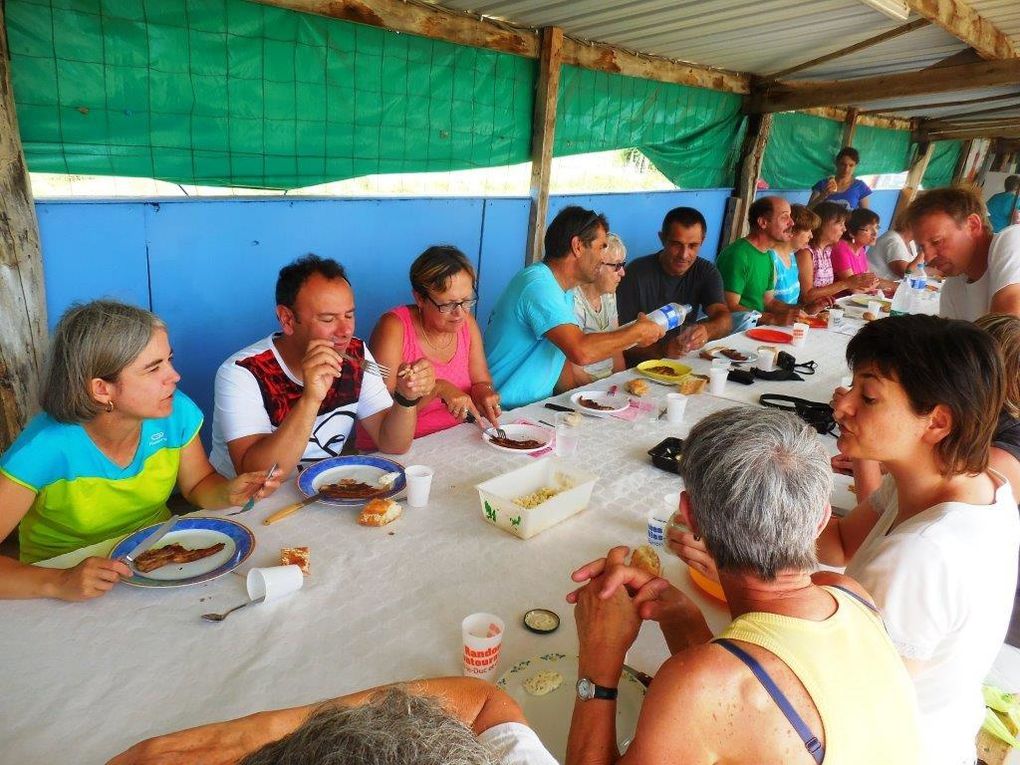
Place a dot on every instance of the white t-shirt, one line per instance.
(255, 391)
(966, 300)
(516, 744)
(889, 247)
(944, 583)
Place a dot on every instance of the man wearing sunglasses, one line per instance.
(293, 397)
(533, 331)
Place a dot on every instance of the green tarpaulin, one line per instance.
(228, 92)
(942, 164)
(692, 135)
(802, 149)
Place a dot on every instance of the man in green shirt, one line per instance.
(748, 273)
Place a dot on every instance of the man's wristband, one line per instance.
(404, 401)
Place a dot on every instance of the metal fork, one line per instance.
(372, 367)
(500, 433)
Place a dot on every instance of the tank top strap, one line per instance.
(811, 742)
(411, 348)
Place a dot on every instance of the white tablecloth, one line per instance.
(82, 681)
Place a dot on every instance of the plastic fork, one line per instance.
(500, 433)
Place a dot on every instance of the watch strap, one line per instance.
(602, 692)
(404, 401)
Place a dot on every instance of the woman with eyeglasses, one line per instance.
(850, 254)
(440, 326)
(595, 309)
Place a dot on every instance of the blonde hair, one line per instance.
(958, 202)
(1005, 330)
(614, 242)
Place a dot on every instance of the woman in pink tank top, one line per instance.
(440, 327)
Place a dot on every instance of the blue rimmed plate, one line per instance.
(362, 468)
(193, 533)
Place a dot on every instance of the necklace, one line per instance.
(425, 336)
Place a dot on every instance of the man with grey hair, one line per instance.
(442, 721)
(802, 671)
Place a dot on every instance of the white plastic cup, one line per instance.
(722, 363)
(835, 318)
(875, 307)
(482, 637)
(800, 331)
(767, 358)
(657, 520)
(274, 582)
(676, 404)
(717, 380)
(419, 482)
(567, 434)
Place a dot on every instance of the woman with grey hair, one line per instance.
(442, 721)
(595, 309)
(114, 438)
(803, 673)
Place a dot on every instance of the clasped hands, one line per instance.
(616, 599)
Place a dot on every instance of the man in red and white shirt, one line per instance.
(293, 397)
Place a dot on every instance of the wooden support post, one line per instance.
(915, 174)
(850, 126)
(543, 133)
(22, 303)
(752, 154)
(961, 162)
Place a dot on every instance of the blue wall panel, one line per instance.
(637, 218)
(214, 264)
(93, 250)
(504, 239)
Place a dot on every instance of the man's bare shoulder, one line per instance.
(690, 711)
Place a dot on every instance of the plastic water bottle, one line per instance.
(902, 302)
(670, 316)
(919, 289)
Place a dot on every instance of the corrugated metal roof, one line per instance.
(754, 36)
(1005, 14)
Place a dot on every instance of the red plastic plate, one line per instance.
(769, 335)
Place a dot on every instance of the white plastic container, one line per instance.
(497, 496)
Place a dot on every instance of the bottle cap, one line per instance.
(541, 620)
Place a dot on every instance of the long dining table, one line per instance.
(83, 681)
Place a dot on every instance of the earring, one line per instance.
(109, 406)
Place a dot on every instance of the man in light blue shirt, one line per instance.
(1002, 207)
(532, 330)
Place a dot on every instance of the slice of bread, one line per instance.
(296, 556)
(692, 384)
(379, 512)
(636, 387)
(646, 559)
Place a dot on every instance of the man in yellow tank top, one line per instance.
(804, 674)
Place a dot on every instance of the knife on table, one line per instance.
(149, 541)
(558, 408)
(279, 515)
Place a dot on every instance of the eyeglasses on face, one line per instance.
(615, 266)
(447, 308)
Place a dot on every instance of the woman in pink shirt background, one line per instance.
(440, 327)
(850, 254)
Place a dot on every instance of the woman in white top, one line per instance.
(595, 309)
(937, 543)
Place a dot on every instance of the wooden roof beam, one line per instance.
(929, 132)
(463, 28)
(941, 104)
(964, 23)
(787, 96)
(892, 34)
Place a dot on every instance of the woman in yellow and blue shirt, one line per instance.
(113, 440)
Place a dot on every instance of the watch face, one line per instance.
(585, 689)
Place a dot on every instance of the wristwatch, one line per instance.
(404, 400)
(588, 690)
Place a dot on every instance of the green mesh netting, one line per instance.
(942, 164)
(228, 92)
(882, 150)
(692, 135)
(802, 148)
